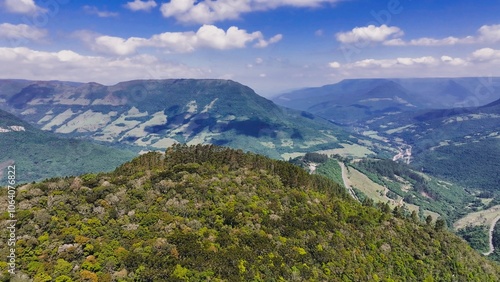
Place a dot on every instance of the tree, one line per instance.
(440, 224)
(428, 220)
(414, 216)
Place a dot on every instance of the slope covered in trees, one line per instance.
(39, 154)
(206, 213)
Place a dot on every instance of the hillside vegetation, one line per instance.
(39, 154)
(206, 213)
(158, 113)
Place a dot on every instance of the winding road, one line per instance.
(492, 228)
(346, 181)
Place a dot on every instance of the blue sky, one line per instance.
(271, 46)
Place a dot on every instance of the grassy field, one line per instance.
(485, 217)
(353, 150)
(378, 193)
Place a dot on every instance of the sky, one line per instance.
(273, 46)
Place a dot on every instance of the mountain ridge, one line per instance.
(158, 113)
(421, 93)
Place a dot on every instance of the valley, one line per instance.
(433, 133)
(400, 161)
(249, 140)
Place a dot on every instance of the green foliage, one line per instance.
(315, 157)
(206, 213)
(474, 165)
(496, 243)
(332, 170)
(64, 278)
(39, 154)
(476, 236)
(429, 193)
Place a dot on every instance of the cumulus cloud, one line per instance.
(401, 62)
(264, 43)
(22, 6)
(486, 54)
(489, 33)
(69, 65)
(210, 11)
(334, 65)
(117, 45)
(453, 61)
(207, 36)
(139, 5)
(92, 10)
(485, 34)
(483, 62)
(368, 34)
(11, 31)
(426, 41)
(480, 62)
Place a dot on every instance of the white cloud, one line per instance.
(334, 65)
(485, 61)
(117, 45)
(139, 5)
(210, 11)
(393, 63)
(264, 43)
(92, 10)
(11, 31)
(426, 41)
(368, 34)
(22, 6)
(486, 54)
(207, 36)
(486, 34)
(489, 33)
(69, 65)
(453, 61)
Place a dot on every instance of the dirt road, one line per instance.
(492, 228)
(346, 181)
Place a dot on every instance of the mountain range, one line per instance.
(458, 144)
(355, 100)
(158, 113)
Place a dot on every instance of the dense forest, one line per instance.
(207, 213)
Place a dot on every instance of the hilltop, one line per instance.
(210, 213)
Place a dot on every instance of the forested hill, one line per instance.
(206, 213)
(39, 154)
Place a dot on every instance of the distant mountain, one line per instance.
(159, 113)
(206, 213)
(354, 100)
(461, 144)
(38, 154)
